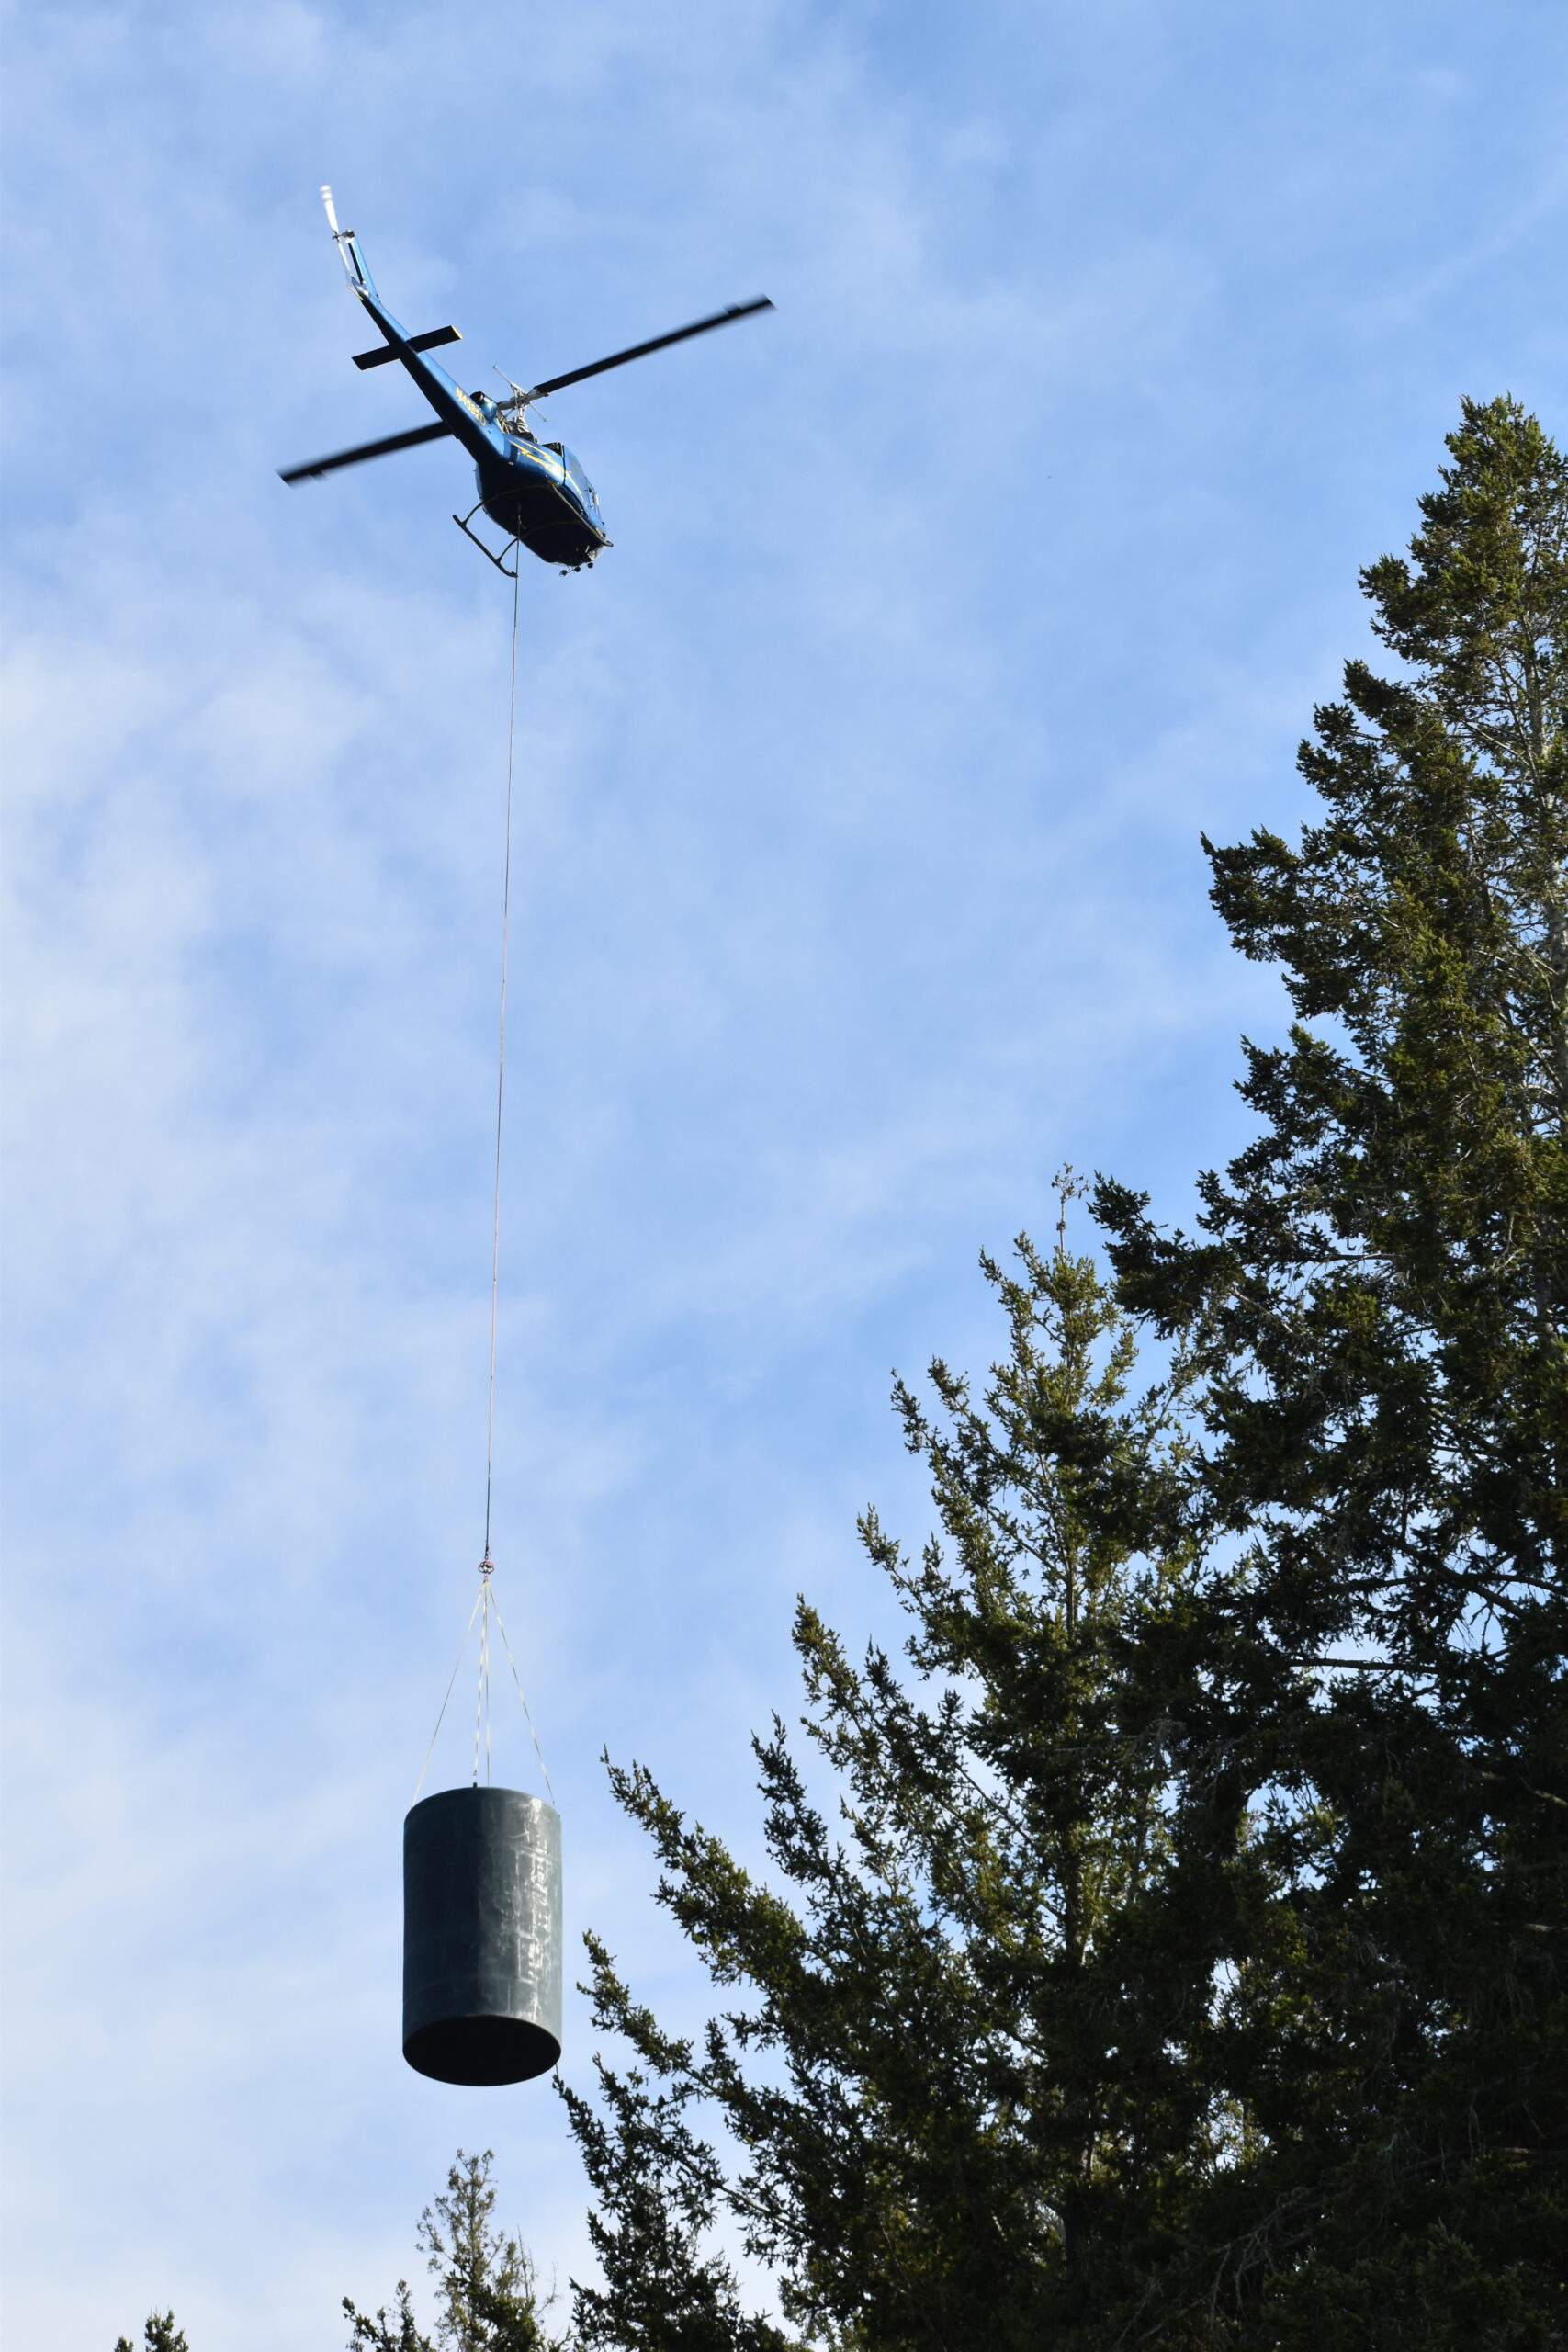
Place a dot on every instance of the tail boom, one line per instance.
(462, 417)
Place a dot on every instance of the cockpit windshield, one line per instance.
(579, 480)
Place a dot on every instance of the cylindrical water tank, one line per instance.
(481, 1936)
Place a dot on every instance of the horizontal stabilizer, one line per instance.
(319, 466)
(430, 342)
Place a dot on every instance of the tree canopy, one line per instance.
(1185, 1963)
(487, 2289)
(960, 2079)
(1377, 1304)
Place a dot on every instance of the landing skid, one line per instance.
(462, 521)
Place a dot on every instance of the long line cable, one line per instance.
(500, 1068)
(487, 1565)
(485, 1600)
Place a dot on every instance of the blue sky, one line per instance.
(858, 887)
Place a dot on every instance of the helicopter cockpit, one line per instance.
(512, 418)
(576, 478)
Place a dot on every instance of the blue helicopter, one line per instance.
(535, 490)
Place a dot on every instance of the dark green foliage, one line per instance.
(486, 2289)
(659, 2189)
(963, 2082)
(158, 2335)
(1188, 1967)
(1377, 1308)
(1423, 2290)
(1384, 1303)
(399, 2334)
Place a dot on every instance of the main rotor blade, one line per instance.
(319, 466)
(659, 342)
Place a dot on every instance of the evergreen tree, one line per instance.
(159, 2334)
(379, 2334)
(659, 2189)
(1377, 1304)
(962, 2082)
(486, 2285)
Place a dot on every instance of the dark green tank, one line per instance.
(481, 1936)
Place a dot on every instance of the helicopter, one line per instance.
(535, 490)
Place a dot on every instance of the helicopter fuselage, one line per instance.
(537, 492)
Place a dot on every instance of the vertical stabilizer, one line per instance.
(359, 276)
